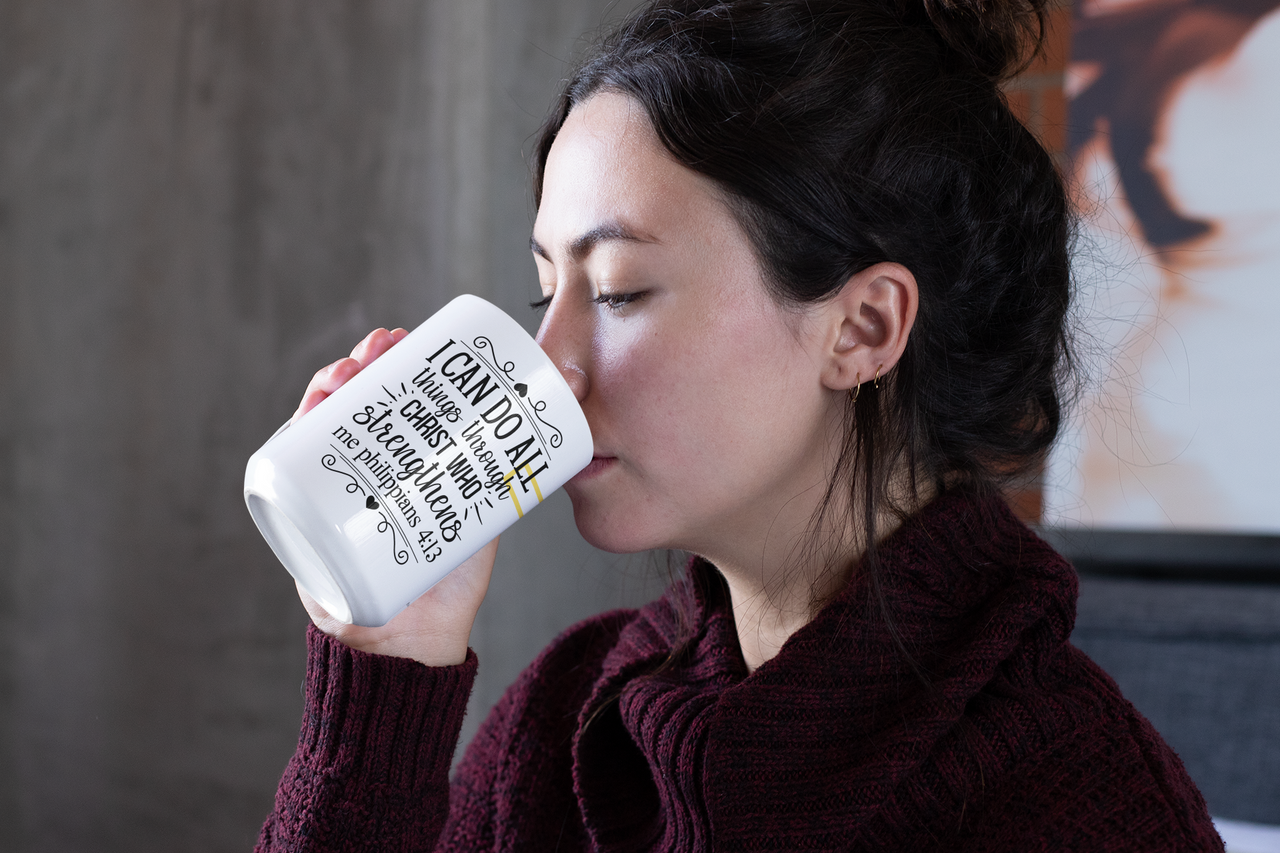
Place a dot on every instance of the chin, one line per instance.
(615, 532)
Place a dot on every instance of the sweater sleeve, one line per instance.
(371, 771)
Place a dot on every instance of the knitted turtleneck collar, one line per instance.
(808, 749)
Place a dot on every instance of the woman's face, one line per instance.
(712, 427)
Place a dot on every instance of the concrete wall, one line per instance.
(201, 203)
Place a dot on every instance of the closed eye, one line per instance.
(616, 301)
(539, 304)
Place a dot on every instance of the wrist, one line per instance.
(428, 649)
(453, 655)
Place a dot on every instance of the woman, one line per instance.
(807, 276)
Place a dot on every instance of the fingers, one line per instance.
(375, 344)
(479, 566)
(316, 611)
(325, 382)
(332, 377)
(434, 630)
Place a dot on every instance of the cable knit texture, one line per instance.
(1001, 736)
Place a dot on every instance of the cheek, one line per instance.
(642, 379)
(688, 391)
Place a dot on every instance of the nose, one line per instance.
(564, 338)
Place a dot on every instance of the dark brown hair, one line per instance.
(851, 133)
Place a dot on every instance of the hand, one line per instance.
(331, 378)
(436, 628)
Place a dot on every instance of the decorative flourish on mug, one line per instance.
(385, 524)
(402, 554)
(393, 395)
(481, 342)
(540, 406)
(476, 506)
(329, 460)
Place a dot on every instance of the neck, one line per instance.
(775, 587)
(766, 618)
(780, 592)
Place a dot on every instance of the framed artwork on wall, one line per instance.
(1174, 161)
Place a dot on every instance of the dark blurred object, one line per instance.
(1189, 626)
(1219, 558)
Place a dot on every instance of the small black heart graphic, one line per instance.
(371, 503)
(522, 389)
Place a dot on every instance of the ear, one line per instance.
(867, 323)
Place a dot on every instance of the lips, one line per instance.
(597, 466)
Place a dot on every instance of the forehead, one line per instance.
(608, 165)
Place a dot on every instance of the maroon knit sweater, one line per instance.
(1018, 742)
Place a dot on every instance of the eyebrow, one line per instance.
(584, 244)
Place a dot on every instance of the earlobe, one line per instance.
(871, 318)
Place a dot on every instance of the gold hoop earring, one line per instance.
(857, 378)
(875, 383)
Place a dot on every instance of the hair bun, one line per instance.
(999, 38)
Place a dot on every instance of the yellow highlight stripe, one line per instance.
(529, 469)
(511, 491)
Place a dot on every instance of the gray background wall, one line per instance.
(201, 203)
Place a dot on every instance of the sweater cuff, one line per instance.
(389, 721)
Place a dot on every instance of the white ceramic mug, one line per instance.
(415, 464)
